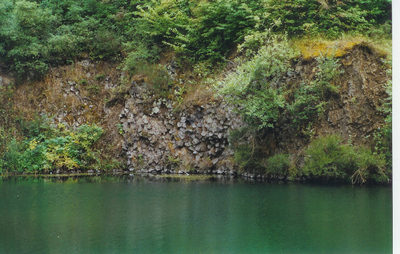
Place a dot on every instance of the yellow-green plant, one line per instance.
(59, 148)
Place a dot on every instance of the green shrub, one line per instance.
(256, 89)
(259, 93)
(73, 149)
(48, 149)
(11, 158)
(199, 30)
(327, 158)
(32, 156)
(332, 18)
(370, 167)
(277, 165)
(26, 28)
(83, 82)
(218, 27)
(245, 157)
(94, 89)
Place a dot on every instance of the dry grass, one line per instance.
(85, 104)
(314, 47)
(198, 95)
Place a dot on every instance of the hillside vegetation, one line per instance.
(242, 49)
(35, 35)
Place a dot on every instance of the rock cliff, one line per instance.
(162, 140)
(149, 134)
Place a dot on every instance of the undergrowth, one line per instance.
(46, 148)
(327, 158)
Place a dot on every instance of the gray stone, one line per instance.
(181, 135)
(145, 119)
(201, 147)
(209, 120)
(214, 161)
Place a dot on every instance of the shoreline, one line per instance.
(198, 177)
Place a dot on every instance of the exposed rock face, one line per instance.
(157, 138)
(162, 140)
(353, 113)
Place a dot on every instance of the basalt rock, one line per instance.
(153, 137)
(190, 141)
(196, 139)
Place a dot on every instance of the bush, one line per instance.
(73, 149)
(277, 165)
(34, 35)
(218, 27)
(256, 89)
(244, 156)
(23, 34)
(332, 18)
(370, 167)
(11, 158)
(328, 159)
(33, 157)
(53, 149)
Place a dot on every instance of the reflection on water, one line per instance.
(157, 214)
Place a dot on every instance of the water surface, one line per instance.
(144, 215)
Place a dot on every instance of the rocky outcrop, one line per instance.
(153, 134)
(354, 112)
(158, 139)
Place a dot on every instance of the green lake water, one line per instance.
(135, 214)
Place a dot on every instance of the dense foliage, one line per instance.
(261, 95)
(37, 34)
(46, 148)
(328, 158)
